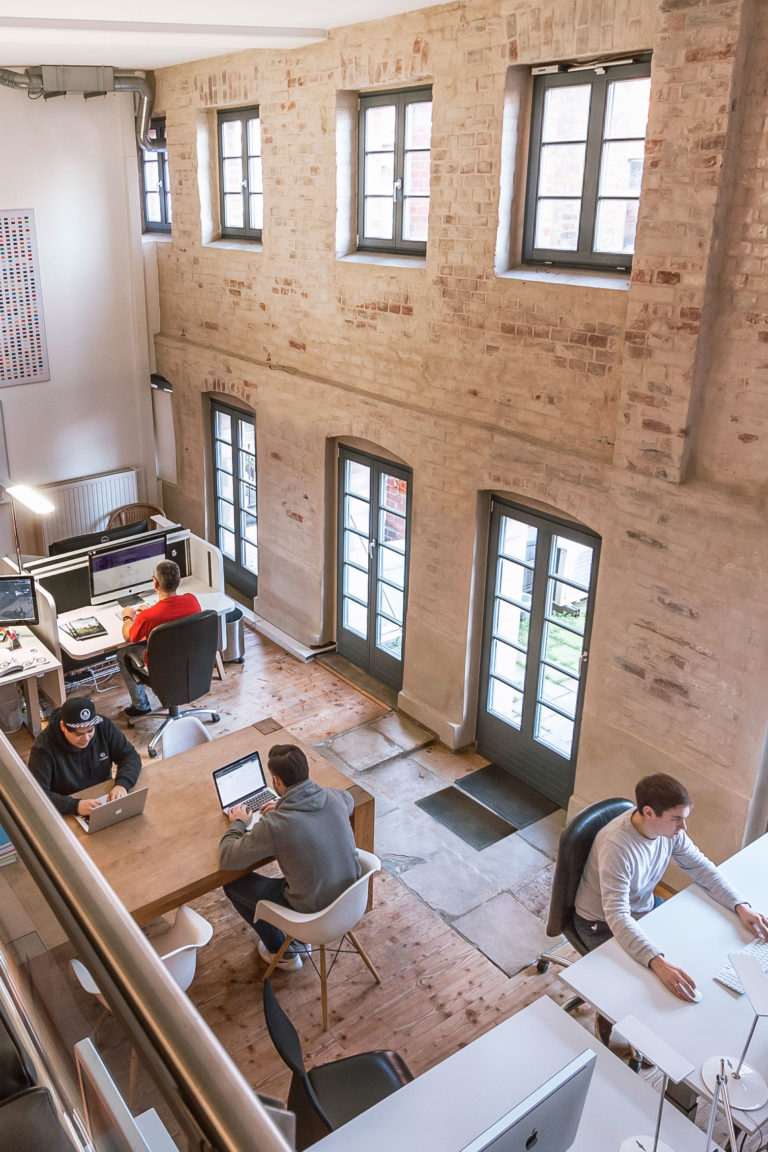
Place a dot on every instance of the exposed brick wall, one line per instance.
(639, 413)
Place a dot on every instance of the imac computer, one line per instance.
(124, 569)
(18, 601)
(547, 1119)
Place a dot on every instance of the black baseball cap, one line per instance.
(79, 712)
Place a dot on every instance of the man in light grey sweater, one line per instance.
(308, 832)
(627, 861)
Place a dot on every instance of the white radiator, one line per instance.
(84, 505)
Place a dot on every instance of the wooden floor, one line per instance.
(437, 992)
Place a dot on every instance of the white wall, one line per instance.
(74, 163)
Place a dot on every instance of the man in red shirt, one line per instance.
(138, 623)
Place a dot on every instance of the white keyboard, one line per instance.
(728, 978)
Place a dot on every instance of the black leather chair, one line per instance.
(573, 850)
(16, 1070)
(28, 1120)
(331, 1094)
(180, 660)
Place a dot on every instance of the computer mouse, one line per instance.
(696, 997)
(11, 670)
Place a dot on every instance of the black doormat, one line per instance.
(476, 825)
(510, 798)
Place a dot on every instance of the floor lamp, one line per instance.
(28, 498)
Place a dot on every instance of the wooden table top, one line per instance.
(169, 854)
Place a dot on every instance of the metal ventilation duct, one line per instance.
(60, 80)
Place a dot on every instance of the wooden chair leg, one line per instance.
(132, 1078)
(364, 957)
(278, 956)
(323, 988)
(219, 665)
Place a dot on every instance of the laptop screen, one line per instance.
(239, 780)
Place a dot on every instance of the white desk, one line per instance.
(36, 661)
(451, 1104)
(697, 935)
(109, 615)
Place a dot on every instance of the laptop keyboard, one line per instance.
(727, 976)
(256, 802)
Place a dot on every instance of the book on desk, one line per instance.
(84, 628)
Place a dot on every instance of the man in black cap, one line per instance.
(78, 749)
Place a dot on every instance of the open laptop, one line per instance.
(243, 782)
(112, 812)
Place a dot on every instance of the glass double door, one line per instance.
(234, 495)
(373, 542)
(538, 616)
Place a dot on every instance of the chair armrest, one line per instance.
(136, 670)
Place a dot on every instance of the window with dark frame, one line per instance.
(155, 185)
(394, 139)
(588, 129)
(240, 175)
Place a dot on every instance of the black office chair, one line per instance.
(331, 1094)
(29, 1120)
(575, 844)
(180, 660)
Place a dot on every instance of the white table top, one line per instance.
(696, 934)
(109, 615)
(34, 657)
(452, 1103)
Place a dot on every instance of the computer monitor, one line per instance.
(547, 1119)
(18, 601)
(124, 569)
(111, 1127)
(91, 539)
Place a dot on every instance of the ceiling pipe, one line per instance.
(58, 80)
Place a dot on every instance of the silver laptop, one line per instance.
(112, 812)
(243, 782)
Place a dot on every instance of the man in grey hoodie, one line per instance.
(308, 832)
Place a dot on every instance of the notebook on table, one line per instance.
(243, 782)
(111, 812)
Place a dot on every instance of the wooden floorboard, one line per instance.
(438, 993)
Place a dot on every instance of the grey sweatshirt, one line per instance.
(309, 834)
(622, 871)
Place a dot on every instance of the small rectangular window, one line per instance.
(240, 176)
(395, 130)
(586, 165)
(155, 186)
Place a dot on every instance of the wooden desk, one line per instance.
(169, 854)
(697, 934)
(452, 1103)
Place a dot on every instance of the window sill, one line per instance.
(156, 237)
(573, 277)
(236, 245)
(384, 259)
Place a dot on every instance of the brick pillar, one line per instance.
(696, 73)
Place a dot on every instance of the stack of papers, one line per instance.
(8, 854)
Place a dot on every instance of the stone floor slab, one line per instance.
(508, 934)
(407, 734)
(545, 834)
(403, 780)
(399, 834)
(449, 885)
(535, 893)
(363, 747)
(511, 861)
(450, 765)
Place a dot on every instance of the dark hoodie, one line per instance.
(61, 769)
(309, 834)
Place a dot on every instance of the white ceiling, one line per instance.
(148, 34)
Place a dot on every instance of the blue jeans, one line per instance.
(137, 692)
(245, 893)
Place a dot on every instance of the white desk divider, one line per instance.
(674, 1067)
(746, 1088)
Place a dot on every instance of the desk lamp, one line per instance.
(28, 498)
(674, 1067)
(746, 1087)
